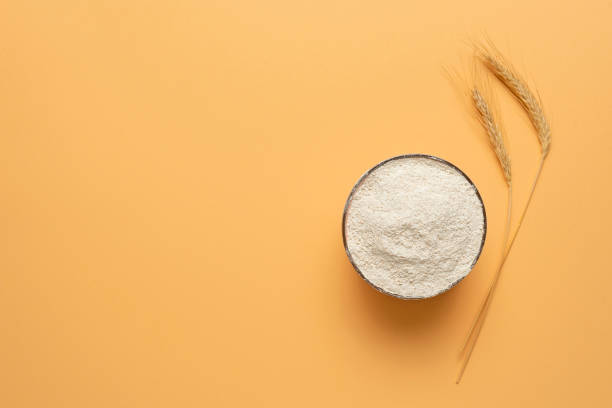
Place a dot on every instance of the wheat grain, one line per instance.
(487, 119)
(518, 87)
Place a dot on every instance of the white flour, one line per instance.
(414, 227)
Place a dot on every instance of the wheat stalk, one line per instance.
(488, 120)
(498, 65)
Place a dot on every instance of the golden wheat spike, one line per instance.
(518, 87)
(488, 121)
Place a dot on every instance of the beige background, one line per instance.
(173, 175)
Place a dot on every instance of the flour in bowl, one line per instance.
(414, 226)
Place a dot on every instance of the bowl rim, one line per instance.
(364, 176)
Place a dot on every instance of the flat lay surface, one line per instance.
(173, 179)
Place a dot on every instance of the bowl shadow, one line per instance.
(412, 317)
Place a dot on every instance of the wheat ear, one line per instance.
(493, 129)
(497, 64)
(532, 104)
(489, 121)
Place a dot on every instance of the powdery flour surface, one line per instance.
(414, 227)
